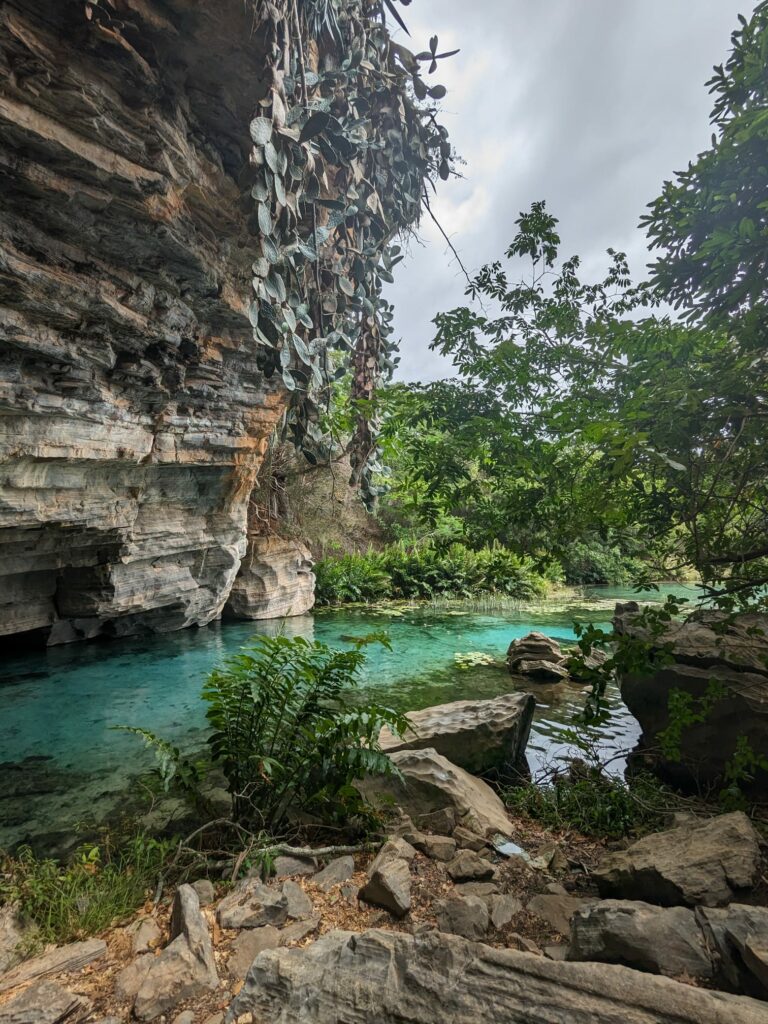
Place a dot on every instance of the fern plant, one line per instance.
(285, 734)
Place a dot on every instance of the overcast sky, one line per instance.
(589, 104)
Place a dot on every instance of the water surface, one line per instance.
(61, 763)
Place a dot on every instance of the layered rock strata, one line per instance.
(275, 580)
(133, 417)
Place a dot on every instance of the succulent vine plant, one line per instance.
(346, 145)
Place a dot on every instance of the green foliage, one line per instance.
(351, 578)
(598, 562)
(588, 801)
(711, 221)
(101, 887)
(286, 735)
(739, 772)
(424, 571)
(686, 710)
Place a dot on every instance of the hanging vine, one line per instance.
(345, 143)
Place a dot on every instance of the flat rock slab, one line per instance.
(297, 904)
(477, 735)
(662, 940)
(285, 867)
(462, 915)
(61, 960)
(45, 1003)
(381, 977)
(704, 864)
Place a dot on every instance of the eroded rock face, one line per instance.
(476, 735)
(385, 977)
(135, 415)
(705, 864)
(705, 654)
(275, 580)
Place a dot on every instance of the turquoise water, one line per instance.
(57, 707)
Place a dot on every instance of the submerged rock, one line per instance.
(476, 735)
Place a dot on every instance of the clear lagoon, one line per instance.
(61, 763)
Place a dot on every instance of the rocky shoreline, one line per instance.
(462, 914)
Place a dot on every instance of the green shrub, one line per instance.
(425, 571)
(100, 888)
(351, 578)
(285, 734)
(599, 562)
(593, 803)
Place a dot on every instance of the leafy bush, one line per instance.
(425, 571)
(351, 578)
(100, 888)
(285, 734)
(598, 562)
(593, 803)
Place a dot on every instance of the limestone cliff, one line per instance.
(133, 416)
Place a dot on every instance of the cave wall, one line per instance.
(133, 416)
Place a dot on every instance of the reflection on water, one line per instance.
(57, 707)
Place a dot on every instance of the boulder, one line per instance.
(297, 904)
(395, 848)
(541, 671)
(429, 783)
(468, 866)
(205, 891)
(384, 977)
(738, 935)
(389, 886)
(537, 647)
(275, 580)
(462, 915)
(186, 968)
(286, 867)
(662, 940)
(467, 840)
(556, 910)
(339, 870)
(252, 905)
(438, 847)
(706, 863)
(704, 651)
(45, 1003)
(477, 735)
